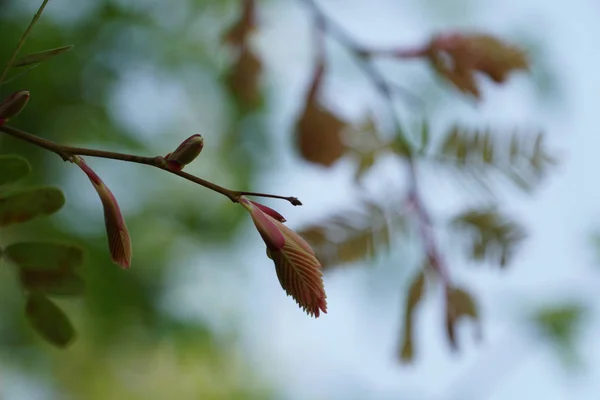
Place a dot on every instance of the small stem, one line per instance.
(66, 152)
(37, 16)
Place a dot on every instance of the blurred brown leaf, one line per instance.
(240, 30)
(415, 294)
(492, 236)
(459, 303)
(352, 235)
(523, 159)
(244, 78)
(319, 131)
(457, 57)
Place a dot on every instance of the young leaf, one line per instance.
(26, 204)
(415, 294)
(44, 256)
(49, 320)
(459, 303)
(13, 168)
(41, 56)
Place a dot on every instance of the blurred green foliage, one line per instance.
(128, 344)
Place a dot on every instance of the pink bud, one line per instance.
(185, 153)
(119, 242)
(269, 211)
(13, 105)
(269, 232)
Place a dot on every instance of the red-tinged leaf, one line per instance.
(270, 233)
(269, 211)
(49, 320)
(457, 57)
(12, 105)
(119, 242)
(299, 273)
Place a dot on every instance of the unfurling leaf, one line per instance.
(24, 205)
(298, 270)
(13, 168)
(415, 294)
(12, 105)
(237, 34)
(185, 153)
(457, 57)
(119, 241)
(318, 130)
(244, 78)
(41, 56)
(492, 236)
(49, 320)
(459, 304)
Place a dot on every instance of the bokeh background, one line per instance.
(201, 315)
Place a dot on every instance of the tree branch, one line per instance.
(67, 152)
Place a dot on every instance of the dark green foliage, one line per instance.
(44, 256)
(23, 205)
(49, 320)
(13, 168)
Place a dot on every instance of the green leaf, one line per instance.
(13, 168)
(49, 320)
(35, 58)
(52, 282)
(44, 256)
(26, 204)
(560, 325)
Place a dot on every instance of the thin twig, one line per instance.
(37, 16)
(67, 152)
